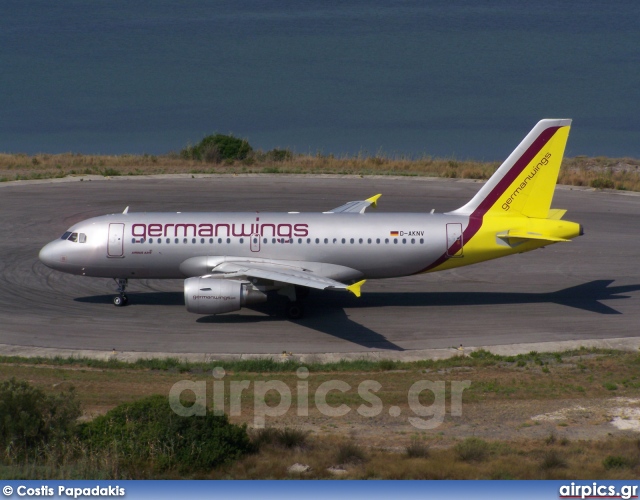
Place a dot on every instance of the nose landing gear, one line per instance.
(121, 299)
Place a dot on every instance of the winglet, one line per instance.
(374, 200)
(355, 288)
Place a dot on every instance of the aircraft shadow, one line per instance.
(326, 310)
(587, 297)
(332, 321)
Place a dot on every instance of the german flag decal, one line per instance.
(394, 233)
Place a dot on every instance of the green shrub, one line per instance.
(417, 449)
(617, 462)
(31, 419)
(602, 183)
(285, 438)
(472, 449)
(217, 148)
(292, 438)
(387, 364)
(265, 436)
(552, 460)
(279, 155)
(149, 431)
(110, 172)
(350, 453)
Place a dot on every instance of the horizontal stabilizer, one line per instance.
(525, 235)
(556, 214)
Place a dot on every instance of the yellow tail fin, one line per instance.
(524, 184)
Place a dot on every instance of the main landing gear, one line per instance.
(121, 299)
(295, 307)
(295, 310)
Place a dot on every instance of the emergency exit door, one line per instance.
(115, 246)
(454, 240)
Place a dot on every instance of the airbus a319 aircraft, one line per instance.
(229, 260)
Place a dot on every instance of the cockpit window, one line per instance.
(75, 237)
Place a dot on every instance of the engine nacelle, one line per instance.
(217, 296)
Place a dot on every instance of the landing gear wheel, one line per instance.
(295, 310)
(121, 300)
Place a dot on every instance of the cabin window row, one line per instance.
(326, 241)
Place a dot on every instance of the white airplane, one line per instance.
(230, 260)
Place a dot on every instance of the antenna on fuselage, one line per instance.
(126, 210)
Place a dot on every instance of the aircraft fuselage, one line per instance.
(154, 245)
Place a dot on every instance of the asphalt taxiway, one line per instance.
(583, 292)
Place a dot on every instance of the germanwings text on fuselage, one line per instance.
(187, 230)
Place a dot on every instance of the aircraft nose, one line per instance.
(48, 255)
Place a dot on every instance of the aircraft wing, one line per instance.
(284, 274)
(356, 206)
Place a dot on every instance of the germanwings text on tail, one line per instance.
(230, 260)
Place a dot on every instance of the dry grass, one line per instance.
(522, 459)
(518, 459)
(613, 173)
(382, 449)
(623, 174)
(535, 377)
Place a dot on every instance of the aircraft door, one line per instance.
(255, 242)
(454, 240)
(115, 246)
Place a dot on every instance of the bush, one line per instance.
(472, 449)
(110, 172)
(286, 437)
(417, 449)
(292, 438)
(149, 431)
(388, 364)
(31, 419)
(350, 453)
(218, 147)
(266, 436)
(602, 183)
(279, 155)
(552, 460)
(617, 462)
